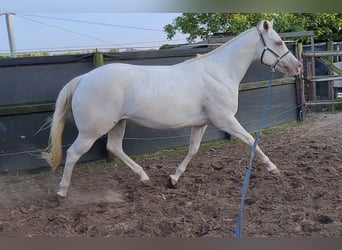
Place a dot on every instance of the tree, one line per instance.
(327, 26)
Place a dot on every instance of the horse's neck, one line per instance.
(233, 59)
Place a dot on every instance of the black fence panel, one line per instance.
(282, 109)
(28, 83)
(21, 141)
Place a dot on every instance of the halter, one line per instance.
(279, 58)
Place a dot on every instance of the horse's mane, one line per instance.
(199, 56)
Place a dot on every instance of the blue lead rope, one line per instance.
(238, 231)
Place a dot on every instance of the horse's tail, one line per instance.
(53, 154)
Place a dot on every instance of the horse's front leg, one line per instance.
(195, 141)
(231, 125)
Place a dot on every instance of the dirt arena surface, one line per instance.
(108, 200)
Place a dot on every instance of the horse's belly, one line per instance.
(169, 124)
(159, 116)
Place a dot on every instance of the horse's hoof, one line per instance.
(147, 183)
(172, 181)
(61, 193)
(275, 171)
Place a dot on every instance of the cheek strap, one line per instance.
(278, 57)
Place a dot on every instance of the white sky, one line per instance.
(32, 33)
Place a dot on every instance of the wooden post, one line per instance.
(313, 68)
(300, 84)
(98, 59)
(330, 47)
(331, 94)
(310, 87)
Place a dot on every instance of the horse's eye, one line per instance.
(279, 43)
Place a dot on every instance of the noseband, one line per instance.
(279, 57)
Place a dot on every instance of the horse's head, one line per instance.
(275, 53)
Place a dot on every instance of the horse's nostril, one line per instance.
(299, 67)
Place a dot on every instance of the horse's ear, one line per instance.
(266, 25)
(271, 23)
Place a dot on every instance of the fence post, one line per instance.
(331, 94)
(300, 84)
(98, 59)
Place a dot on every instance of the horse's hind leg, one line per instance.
(114, 145)
(80, 146)
(195, 141)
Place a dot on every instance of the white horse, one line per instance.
(194, 93)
